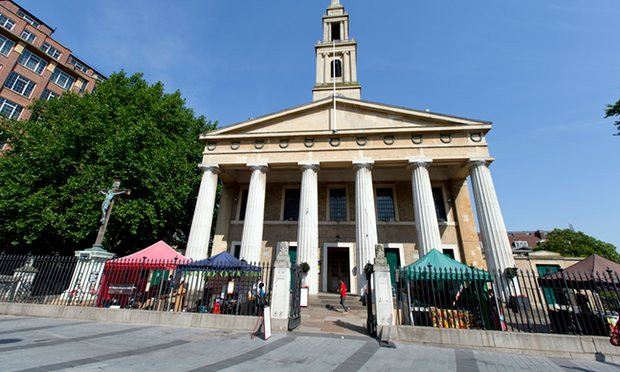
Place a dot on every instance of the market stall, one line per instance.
(221, 284)
(583, 298)
(445, 293)
(140, 280)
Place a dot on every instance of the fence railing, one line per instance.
(158, 285)
(518, 301)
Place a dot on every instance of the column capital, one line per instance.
(261, 166)
(304, 165)
(419, 161)
(213, 168)
(475, 162)
(363, 163)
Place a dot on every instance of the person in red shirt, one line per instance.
(343, 296)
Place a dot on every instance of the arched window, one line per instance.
(336, 68)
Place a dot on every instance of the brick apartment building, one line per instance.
(35, 66)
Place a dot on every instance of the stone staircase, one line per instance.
(324, 314)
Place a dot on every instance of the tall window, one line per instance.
(61, 79)
(48, 94)
(28, 18)
(50, 50)
(335, 31)
(291, 205)
(19, 84)
(338, 204)
(10, 109)
(78, 65)
(5, 45)
(28, 36)
(6, 22)
(32, 61)
(440, 206)
(385, 204)
(244, 204)
(336, 68)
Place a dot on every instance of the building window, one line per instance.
(61, 79)
(235, 250)
(291, 205)
(338, 204)
(336, 68)
(48, 94)
(78, 65)
(10, 109)
(5, 45)
(244, 204)
(50, 50)
(19, 84)
(385, 204)
(6, 22)
(28, 18)
(83, 88)
(520, 244)
(28, 36)
(32, 62)
(449, 252)
(335, 31)
(440, 206)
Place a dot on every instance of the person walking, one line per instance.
(343, 297)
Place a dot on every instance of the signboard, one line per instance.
(267, 322)
(303, 300)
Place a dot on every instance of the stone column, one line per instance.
(426, 225)
(492, 228)
(308, 227)
(365, 218)
(346, 66)
(319, 68)
(222, 223)
(326, 69)
(200, 232)
(353, 66)
(252, 237)
(382, 284)
(280, 294)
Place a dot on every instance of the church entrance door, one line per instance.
(338, 268)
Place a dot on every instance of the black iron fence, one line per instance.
(157, 285)
(516, 301)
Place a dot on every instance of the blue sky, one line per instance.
(542, 71)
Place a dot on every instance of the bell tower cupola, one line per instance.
(336, 57)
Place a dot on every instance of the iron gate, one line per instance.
(294, 318)
(371, 322)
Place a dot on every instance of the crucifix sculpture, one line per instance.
(106, 209)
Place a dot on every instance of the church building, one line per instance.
(338, 175)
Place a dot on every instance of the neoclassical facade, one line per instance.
(338, 175)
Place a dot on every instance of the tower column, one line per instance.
(353, 66)
(347, 66)
(365, 218)
(252, 236)
(308, 227)
(426, 225)
(200, 231)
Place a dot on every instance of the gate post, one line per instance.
(280, 294)
(383, 289)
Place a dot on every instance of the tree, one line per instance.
(72, 146)
(614, 110)
(577, 244)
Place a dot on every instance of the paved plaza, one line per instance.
(43, 344)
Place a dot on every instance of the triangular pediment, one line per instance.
(351, 116)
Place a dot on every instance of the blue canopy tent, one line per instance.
(223, 264)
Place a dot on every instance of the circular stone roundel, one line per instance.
(334, 141)
(258, 144)
(476, 137)
(388, 140)
(211, 146)
(416, 139)
(362, 141)
(309, 142)
(234, 145)
(445, 138)
(283, 143)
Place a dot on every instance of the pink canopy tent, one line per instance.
(132, 271)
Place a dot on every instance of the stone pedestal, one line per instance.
(84, 285)
(280, 294)
(383, 289)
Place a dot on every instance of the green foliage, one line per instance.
(72, 146)
(614, 110)
(305, 267)
(577, 244)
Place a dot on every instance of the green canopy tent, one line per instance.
(447, 293)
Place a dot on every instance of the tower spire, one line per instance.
(336, 57)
